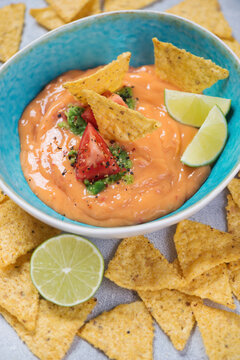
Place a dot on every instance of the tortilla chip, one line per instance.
(234, 277)
(11, 26)
(234, 45)
(213, 285)
(68, 9)
(172, 311)
(55, 329)
(91, 8)
(234, 188)
(220, 331)
(233, 217)
(200, 248)
(208, 14)
(20, 233)
(113, 5)
(123, 333)
(3, 197)
(17, 294)
(185, 70)
(116, 122)
(108, 78)
(47, 17)
(138, 265)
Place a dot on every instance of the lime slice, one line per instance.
(209, 140)
(67, 269)
(192, 109)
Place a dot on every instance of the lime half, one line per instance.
(192, 109)
(209, 140)
(67, 269)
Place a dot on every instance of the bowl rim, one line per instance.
(119, 231)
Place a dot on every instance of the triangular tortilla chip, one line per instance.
(138, 265)
(3, 197)
(91, 8)
(234, 45)
(114, 5)
(220, 331)
(234, 188)
(116, 122)
(108, 78)
(11, 26)
(20, 232)
(123, 333)
(185, 70)
(234, 277)
(200, 248)
(213, 285)
(17, 294)
(68, 9)
(206, 13)
(172, 311)
(233, 217)
(55, 329)
(47, 17)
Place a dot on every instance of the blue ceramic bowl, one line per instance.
(95, 41)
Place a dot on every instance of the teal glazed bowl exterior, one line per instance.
(95, 41)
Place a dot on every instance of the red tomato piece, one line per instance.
(117, 99)
(94, 159)
(89, 117)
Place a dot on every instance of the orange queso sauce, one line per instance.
(161, 182)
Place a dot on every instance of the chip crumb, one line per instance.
(20, 232)
(114, 5)
(185, 70)
(108, 78)
(116, 122)
(208, 14)
(200, 248)
(17, 294)
(220, 331)
(123, 333)
(172, 311)
(138, 265)
(55, 328)
(11, 27)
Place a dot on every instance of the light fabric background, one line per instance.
(110, 295)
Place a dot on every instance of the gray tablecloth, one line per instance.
(110, 295)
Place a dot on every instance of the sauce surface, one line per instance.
(161, 182)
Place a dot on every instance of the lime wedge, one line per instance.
(192, 109)
(67, 269)
(209, 140)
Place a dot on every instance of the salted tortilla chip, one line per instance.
(234, 277)
(116, 122)
(11, 26)
(185, 70)
(114, 5)
(172, 311)
(213, 285)
(3, 197)
(91, 8)
(220, 331)
(123, 333)
(208, 14)
(108, 78)
(234, 188)
(17, 294)
(55, 329)
(47, 17)
(68, 9)
(200, 248)
(234, 45)
(233, 217)
(20, 233)
(138, 265)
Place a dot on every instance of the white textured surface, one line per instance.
(110, 295)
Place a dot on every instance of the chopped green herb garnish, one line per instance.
(75, 123)
(72, 156)
(126, 94)
(63, 125)
(123, 161)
